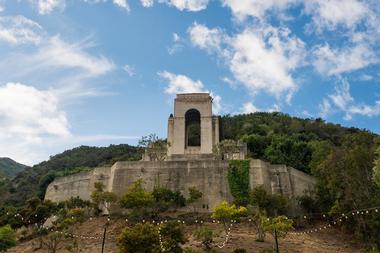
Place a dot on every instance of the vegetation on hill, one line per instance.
(282, 139)
(9, 168)
(33, 181)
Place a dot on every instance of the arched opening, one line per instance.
(193, 128)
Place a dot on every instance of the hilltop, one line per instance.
(9, 168)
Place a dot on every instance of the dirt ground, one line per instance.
(242, 236)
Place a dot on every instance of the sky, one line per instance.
(100, 72)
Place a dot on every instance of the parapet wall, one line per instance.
(209, 176)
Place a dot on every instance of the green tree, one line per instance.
(376, 169)
(172, 236)
(142, 238)
(102, 199)
(256, 215)
(225, 213)
(346, 180)
(194, 196)
(271, 204)
(281, 224)
(289, 151)
(278, 227)
(7, 238)
(165, 199)
(137, 198)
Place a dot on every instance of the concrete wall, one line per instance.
(209, 176)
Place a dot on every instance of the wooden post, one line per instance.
(104, 238)
(276, 240)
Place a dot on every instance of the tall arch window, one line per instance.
(193, 128)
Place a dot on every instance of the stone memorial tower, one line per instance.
(192, 130)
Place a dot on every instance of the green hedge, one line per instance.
(238, 180)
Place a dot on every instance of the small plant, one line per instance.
(226, 212)
(206, 236)
(7, 238)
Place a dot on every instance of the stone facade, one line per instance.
(186, 165)
(209, 176)
(209, 125)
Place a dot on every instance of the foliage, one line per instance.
(165, 198)
(280, 225)
(74, 202)
(194, 196)
(308, 204)
(345, 184)
(376, 169)
(238, 180)
(155, 148)
(172, 235)
(272, 204)
(225, 212)
(257, 216)
(101, 198)
(280, 138)
(289, 150)
(7, 238)
(206, 236)
(51, 242)
(142, 238)
(137, 198)
(9, 168)
(73, 247)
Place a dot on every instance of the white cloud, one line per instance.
(184, 84)
(342, 97)
(262, 59)
(47, 6)
(1, 8)
(27, 117)
(188, 5)
(342, 100)
(122, 4)
(249, 107)
(177, 45)
(180, 83)
(258, 8)
(147, 3)
(19, 30)
(330, 14)
(129, 69)
(208, 39)
(346, 59)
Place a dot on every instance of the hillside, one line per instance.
(9, 168)
(34, 180)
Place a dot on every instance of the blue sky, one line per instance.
(97, 72)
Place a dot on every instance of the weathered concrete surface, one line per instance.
(209, 176)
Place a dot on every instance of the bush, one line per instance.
(172, 235)
(142, 238)
(206, 236)
(7, 238)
